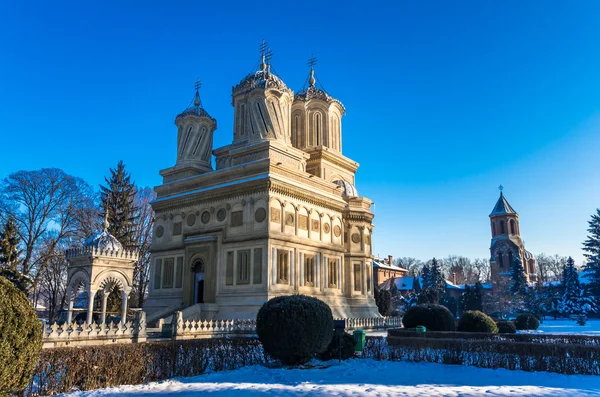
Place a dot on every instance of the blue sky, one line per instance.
(445, 101)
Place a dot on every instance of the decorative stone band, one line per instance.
(87, 251)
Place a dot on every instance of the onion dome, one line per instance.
(348, 189)
(104, 241)
(195, 108)
(262, 78)
(313, 92)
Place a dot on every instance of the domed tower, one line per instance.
(507, 244)
(262, 104)
(317, 129)
(195, 129)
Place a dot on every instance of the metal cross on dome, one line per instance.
(197, 84)
(501, 188)
(265, 50)
(312, 61)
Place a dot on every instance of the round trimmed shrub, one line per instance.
(340, 342)
(21, 340)
(476, 321)
(526, 321)
(506, 327)
(293, 329)
(432, 317)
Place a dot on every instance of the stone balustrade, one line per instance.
(192, 329)
(60, 335)
(87, 251)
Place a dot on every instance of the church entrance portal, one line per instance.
(198, 270)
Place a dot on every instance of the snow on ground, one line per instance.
(565, 326)
(366, 378)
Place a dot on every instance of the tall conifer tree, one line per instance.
(118, 199)
(9, 246)
(518, 282)
(591, 246)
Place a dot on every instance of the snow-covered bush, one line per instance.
(21, 339)
(432, 317)
(527, 321)
(506, 327)
(293, 329)
(476, 321)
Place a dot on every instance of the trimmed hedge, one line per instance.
(527, 321)
(524, 356)
(21, 340)
(476, 321)
(506, 327)
(68, 369)
(432, 317)
(345, 345)
(294, 328)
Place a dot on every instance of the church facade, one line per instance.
(278, 215)
(507, 245)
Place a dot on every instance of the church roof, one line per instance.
(103, 240)
(195, 109)
(502, 207)
(314, 92)
(349, 189)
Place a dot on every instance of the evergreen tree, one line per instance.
(118, 199)
(570, 302)
(425, 277)
(592, 248)
(437, 282)
(9, 246)
(518, 281)
(9, 257)
(472, 298)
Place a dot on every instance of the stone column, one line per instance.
(301, 270)
(274, 266)
(292, 273)
(91, 296)
(70, 310)
(103, 314)
(339, 269)
(318, 271)
(124, 296)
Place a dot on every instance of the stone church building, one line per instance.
(507, 245)
(279, 215)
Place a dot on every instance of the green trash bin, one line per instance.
(421, 328)
(359, 340)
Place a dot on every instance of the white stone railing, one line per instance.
(84, 251)
(55, 335)
(191, 329)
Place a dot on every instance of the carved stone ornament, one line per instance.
(191, 219)
(205, 217)
(337, 231)
(355, 238)
(260, 214)
(177, 229)
(237, 218)
(326, 228)
(159, 231)
(315, 225)
(289, 219)
(275, 215)
(368, 239)
(303, 222)
(221, 214)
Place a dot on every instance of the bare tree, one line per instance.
(549, 267)
(52, 278)
(481, 267)
(413, 265)
(143, 238)
(44, 204)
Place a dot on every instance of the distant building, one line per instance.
(384, 269)
(507, 245)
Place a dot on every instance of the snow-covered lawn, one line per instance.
(564, 326)
(366, 378)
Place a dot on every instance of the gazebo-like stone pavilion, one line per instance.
(101, 265)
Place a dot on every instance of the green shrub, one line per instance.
(21, 341)
(527, 321)
(383, 299)
(476, 321)
(293, 329)
(433, 317)
(506, 327)
(340, 342)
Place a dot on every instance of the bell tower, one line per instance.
(507, 244)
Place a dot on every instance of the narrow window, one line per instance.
(309, 270)
(283, 267)
(317, 129)
(512, 226)
(500, 259)
(243, 267)
(168, 273)
(157, 273)
(296, 133)
(368, 278)
(502, 227)
(510, 258)
(179, 272)
(229, 269)
(257, 266)
(357, 277)
(333, 273)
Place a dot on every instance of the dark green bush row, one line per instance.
(476, 321)
(525, 356)
(67, 369)
(506, 327)
(586, 340)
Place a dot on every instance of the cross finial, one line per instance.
(197, 84)
(106, 224)
(312, 61)
(501, 188)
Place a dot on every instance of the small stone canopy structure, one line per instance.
(101, 265)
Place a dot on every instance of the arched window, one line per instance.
(502, 227)
(296, 131)
(493, 229)
(500, 259)
(318, 129)
(510, 258)
(242, 120)
(512, 227)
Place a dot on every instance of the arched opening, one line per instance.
(493, 229)
(502, 227)
(513, 229)
(198, 270)
(318, 130)
(510, 258)
(500, 259)
(296, 131)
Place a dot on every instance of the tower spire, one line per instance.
(311, 63)
(106, 223)
(197, 86)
